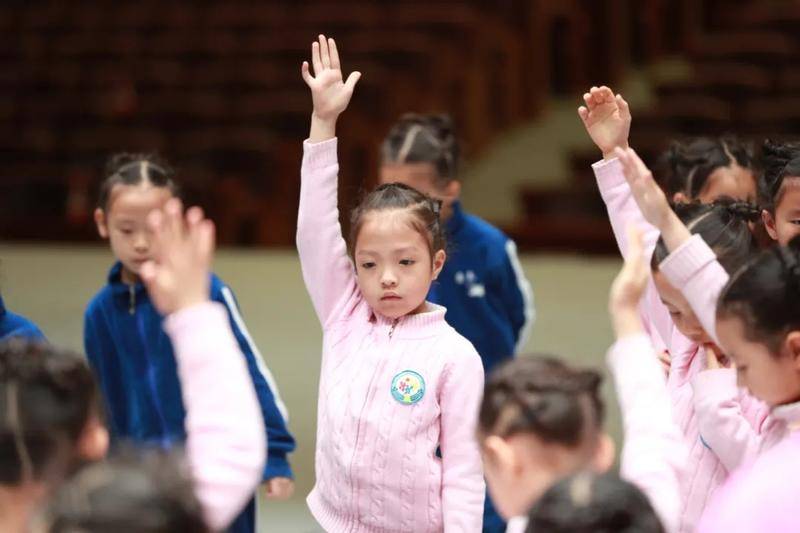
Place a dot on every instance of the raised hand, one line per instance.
(628, 287)
(650, 198)
(329, 92)
(607, 119)
(178, 276)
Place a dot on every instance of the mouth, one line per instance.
(390, 297)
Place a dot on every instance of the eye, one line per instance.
(796, 222)
(368, 265)
(407, 262)
(126, 231)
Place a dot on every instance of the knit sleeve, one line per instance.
(327, 270)
(226, 453)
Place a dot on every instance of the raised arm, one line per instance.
(225, 453)
(327, 270)
(654, 451)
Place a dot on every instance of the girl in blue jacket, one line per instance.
(129, 351)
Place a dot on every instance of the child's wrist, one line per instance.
(609, 154)
(322, 128)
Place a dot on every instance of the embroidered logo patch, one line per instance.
(408, 387)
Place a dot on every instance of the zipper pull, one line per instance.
(394, 325)
(132, 300)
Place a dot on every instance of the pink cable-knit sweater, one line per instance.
(763, 493)
(376, 463)
(225, 453)
(707, 406)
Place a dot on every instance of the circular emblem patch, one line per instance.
(408, 387)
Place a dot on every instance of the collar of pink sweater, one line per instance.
(412, 326)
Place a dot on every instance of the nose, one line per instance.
(388, 279)
(141, 243)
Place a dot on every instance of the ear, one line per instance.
(101, 222)
(438, 262)
(604, 457)
(93, 442)
(793, 345)
(498, 452)
(679, 197)
(769, 224)
(453, 190)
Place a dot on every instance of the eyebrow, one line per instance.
(404, 250)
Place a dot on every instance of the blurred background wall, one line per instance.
(215, 87)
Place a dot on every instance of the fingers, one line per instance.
(334, 54)
(205, 237)
(148, 272)
(583, 113)
(305, 73)
(173, 219)
(325, 55)
(352, 79)
(316, 60)
(624, 109)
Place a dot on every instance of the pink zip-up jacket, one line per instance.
(376, 463)
(763, 494)
(225, 443)
(700, 398)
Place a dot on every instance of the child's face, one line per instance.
(785, 224)
(680, 311)
(124, 222)
(422, 177)
(771, 377)
(393, 263)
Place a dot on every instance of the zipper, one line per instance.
(131, 299)
(378, 370)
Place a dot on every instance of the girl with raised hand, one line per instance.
(397, 382)
(722, 426)
(127, 347)
(488, 299)
(756, 318)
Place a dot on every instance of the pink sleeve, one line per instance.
(463, 487)
(327, 269)
(654, 451)
(225, 443)
(622, 212)
(694, 270)
(730, 421)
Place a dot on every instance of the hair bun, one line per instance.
(747, 211)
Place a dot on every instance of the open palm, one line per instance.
(329, 92)
(606, 117)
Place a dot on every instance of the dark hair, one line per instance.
(46, 398)
(593, 503)
(779, 161)
(424, 212)
(544, 396)
(723, 224)
(765, 294)
(141, 492)
(424, 139)
(686, 167)
(132, 169)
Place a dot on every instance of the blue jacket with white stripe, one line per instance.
(488, 299)
(135, 366)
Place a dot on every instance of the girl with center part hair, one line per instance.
(397, 382)
(488, 299)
